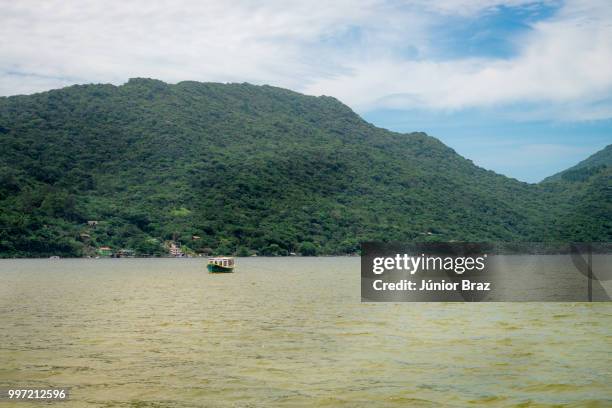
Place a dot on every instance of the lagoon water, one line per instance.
(285, 332)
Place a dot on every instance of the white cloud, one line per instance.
(100, 41)
(355, 52)
(564, 61)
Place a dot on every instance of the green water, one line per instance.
(284, 332)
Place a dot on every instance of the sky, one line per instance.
(520, 87)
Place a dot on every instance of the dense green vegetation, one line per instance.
(249, 169)
(587, 191)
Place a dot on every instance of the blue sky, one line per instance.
(528, 150)
(520, 87)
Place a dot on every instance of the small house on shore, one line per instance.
(175, 250)
(105, 251)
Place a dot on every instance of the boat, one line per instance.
(221, 264)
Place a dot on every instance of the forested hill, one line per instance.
(587, 187)
(237, 168)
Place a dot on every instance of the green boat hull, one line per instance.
(218, 269)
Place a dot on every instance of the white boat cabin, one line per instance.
(222, 261)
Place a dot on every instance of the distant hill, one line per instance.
(237, 168)
(587, 190)
(585, 168)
